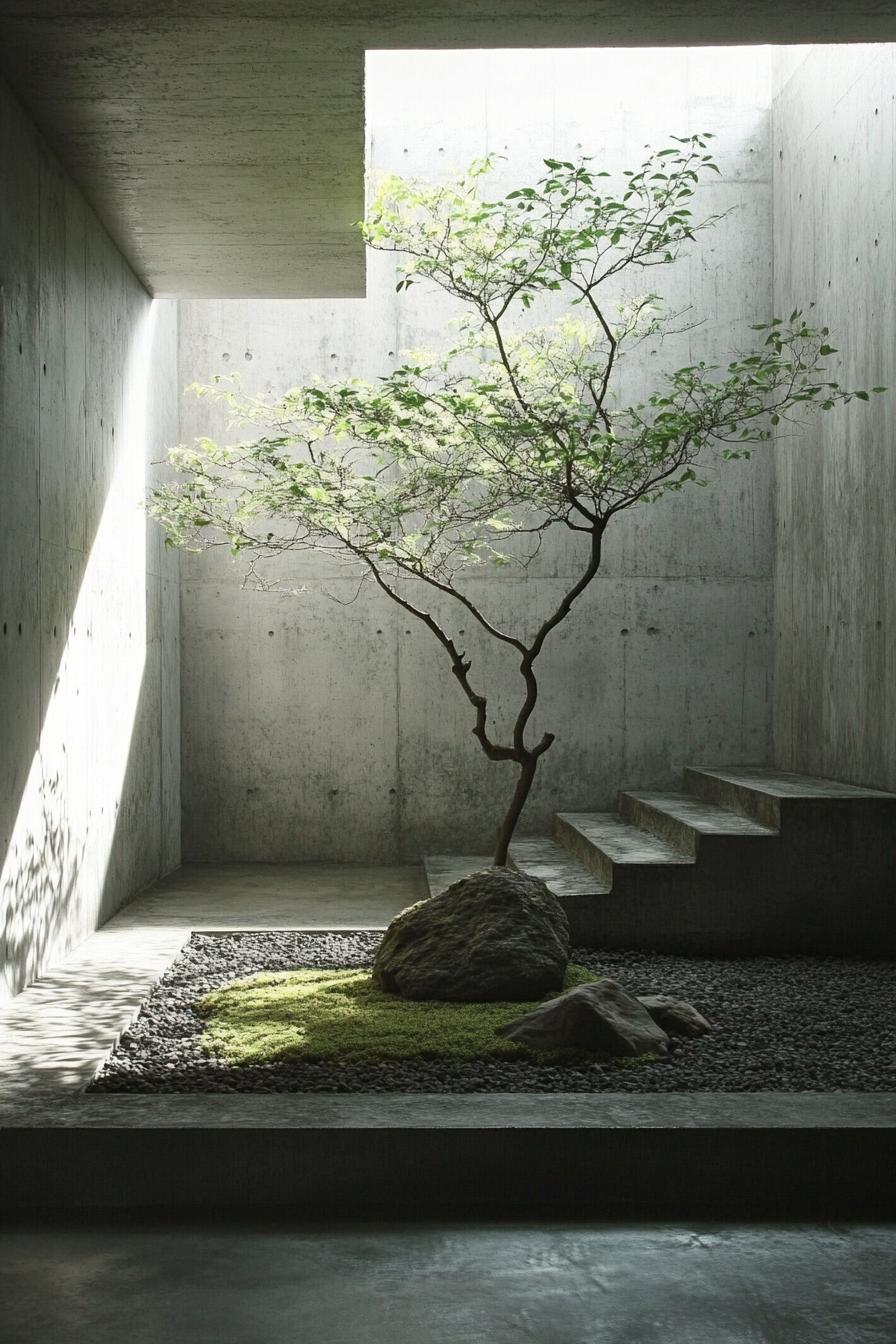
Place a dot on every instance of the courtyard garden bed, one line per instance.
(784, 1024)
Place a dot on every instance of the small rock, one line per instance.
(674, 1015)
(602, 1016)
(495, 935)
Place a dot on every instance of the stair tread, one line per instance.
(705, 818)
(620, 841)
(540, 856)
(785, 784)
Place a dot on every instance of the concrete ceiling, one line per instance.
(222, 143)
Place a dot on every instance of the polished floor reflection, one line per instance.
(258, 1283)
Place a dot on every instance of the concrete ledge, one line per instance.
(527, 1155)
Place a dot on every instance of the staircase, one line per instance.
(746, 860)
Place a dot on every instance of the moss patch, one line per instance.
(339, 1015)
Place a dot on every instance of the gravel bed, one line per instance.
(781, 1024)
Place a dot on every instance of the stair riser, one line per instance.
(699, 923)
(738, 798)
(665, 888)
(856, 824)
(648, 916)
(587, 854)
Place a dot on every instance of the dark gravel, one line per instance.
(781, 1024)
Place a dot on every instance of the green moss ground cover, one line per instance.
(339, 1015)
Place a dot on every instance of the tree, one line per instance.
(470, 455)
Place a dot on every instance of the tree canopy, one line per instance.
(469, 454)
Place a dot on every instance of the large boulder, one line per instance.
(496, 935)
(602, 1017)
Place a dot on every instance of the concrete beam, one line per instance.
(223, 145)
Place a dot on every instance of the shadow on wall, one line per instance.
(55, 868)
(88, 999)
(40, 882)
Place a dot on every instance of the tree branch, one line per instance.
(460, 666)
(526, 666)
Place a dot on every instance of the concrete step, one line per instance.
(750, 861)
(684, 821)
(765, 795)
(543, 857)
(606, 844)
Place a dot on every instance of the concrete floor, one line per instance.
(444, 1284)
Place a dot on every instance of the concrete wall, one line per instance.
(313, 729)
(89, 697)
(834, 121)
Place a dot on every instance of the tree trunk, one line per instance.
(528, 767)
